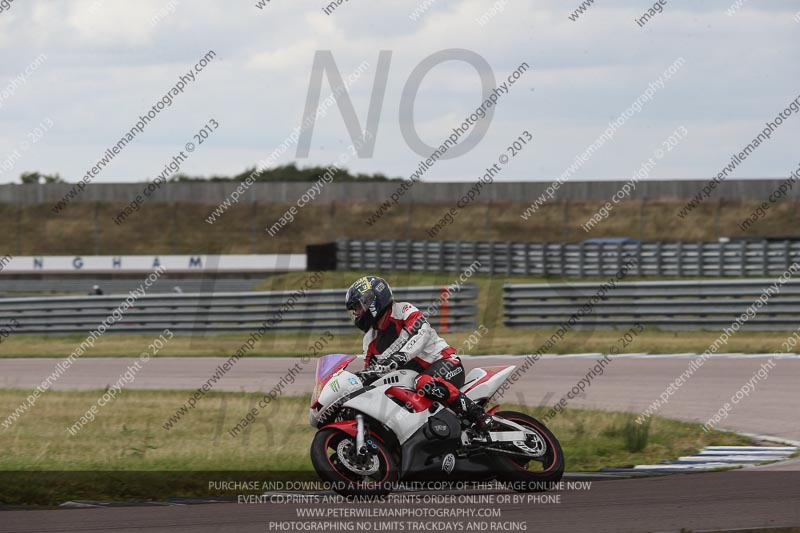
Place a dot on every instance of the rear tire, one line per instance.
(517, 472)
(331, 455)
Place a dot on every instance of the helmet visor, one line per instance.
(361, 306)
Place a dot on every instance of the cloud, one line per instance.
(107, 62)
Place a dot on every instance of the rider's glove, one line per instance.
(391, 362)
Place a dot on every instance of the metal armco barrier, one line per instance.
(684, 305)
(225, 312)
(690, 259)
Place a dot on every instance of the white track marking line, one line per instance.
(640, 356)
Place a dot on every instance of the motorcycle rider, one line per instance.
(397, 335)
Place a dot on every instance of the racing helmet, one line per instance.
(367, 299)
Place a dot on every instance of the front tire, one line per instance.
(537, 474)
(334, 459)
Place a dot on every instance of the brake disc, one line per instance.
(344, 452)
(533, 444)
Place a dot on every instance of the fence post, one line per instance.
(508, 258)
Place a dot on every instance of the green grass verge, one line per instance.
(500, 340)
(125, 453)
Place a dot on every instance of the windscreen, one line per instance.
(327, 366)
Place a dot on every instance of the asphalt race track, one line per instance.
(697, 501)
(628, 383)
(759, 497)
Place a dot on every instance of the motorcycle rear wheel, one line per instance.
(331, 455)
(517, 471)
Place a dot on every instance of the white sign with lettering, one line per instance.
(103, 264)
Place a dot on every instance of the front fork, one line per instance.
(363, 456)
(361, 448)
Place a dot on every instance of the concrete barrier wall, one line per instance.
(215, 193)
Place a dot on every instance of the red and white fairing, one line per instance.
(334, 382)
(483, 382)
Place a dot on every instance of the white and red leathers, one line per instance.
(396, 329)
(403, 329)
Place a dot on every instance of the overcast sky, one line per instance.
(107, 63)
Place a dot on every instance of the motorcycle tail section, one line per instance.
(482, 383)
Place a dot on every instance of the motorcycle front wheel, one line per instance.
(333, 454)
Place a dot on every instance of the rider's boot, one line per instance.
(472, 412)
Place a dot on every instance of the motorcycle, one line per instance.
(375, 430)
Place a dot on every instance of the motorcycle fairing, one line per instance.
(482, 383)
(426, 457)
(327, 366)
(382, 407)
(416, 401)
(350, 427)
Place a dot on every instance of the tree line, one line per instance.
(284, 173)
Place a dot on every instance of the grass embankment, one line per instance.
(86, 228)
(149, 462)
(499, 340)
